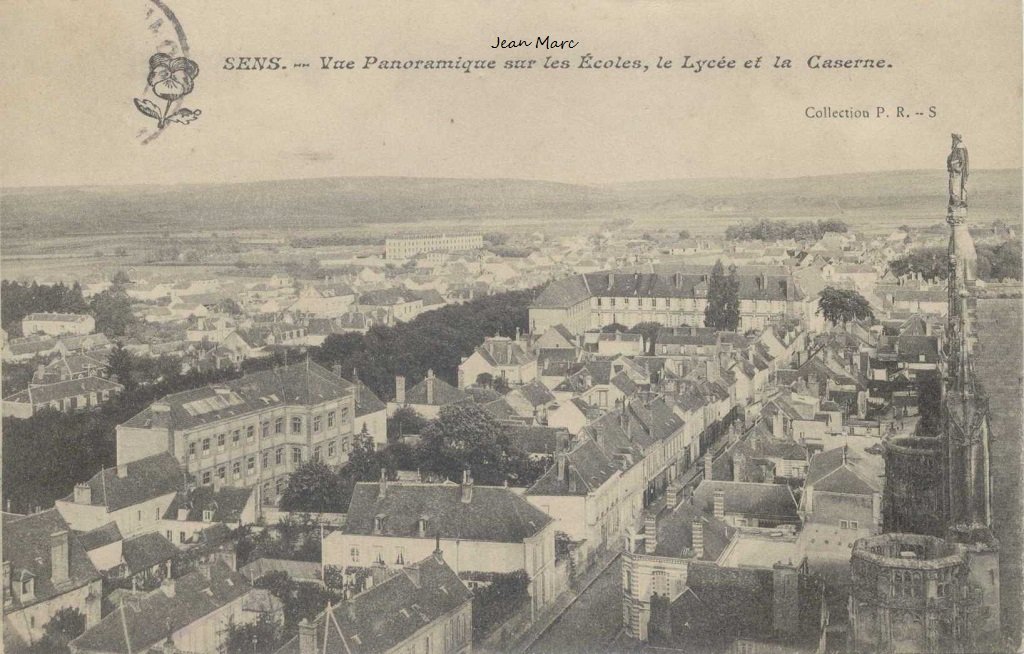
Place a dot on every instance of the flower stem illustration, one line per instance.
(170, 78)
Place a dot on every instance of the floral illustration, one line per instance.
(171, 79)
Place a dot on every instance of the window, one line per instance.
(266, 459)
(280, 485)
(236, 436)
(236, 469)
(316, 424)
(353, 555)
(264, 429)
(250, 433)
(221, 472)
(400, 555)
(206, 477)
(250, 464)
(207, 515)
(156, 513)
(192, 448)
(296, 455)
(330, 419)
(181, 537)
(279, 426)
(170, 535)
(344, 412)
(220, 441)
(316, 453)
(659, 583)
(206, 446)
(296, 425)
(279, 456)
(331, 450)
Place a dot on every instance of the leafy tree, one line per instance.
(120, 278)
(684, 234)
(261, 637)
(404, 422)
(65, 625)
(230, 306)
(500, 385)
(840, 305)
(613, 328)
(112, 310)
(313, 488)
(722, 312)
(17, 300)
(485, 379)
(301, 600)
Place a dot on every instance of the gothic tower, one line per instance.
(965, 414)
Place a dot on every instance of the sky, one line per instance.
(72, 69)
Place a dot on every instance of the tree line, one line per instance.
(18, 300)
(995, 262)
(778, 230)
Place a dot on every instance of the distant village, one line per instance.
(693, 489)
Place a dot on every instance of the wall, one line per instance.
(134, 443)
(29, 622)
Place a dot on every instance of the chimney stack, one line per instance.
(83, 494)
(204, 569)
(336, 369)
(467, 487)
(421, 527)
(383, 484)
(708, 466)
(785, 599)
(697, 539)
(399, 389)
(719, 504)
(430, 387)
(561, 460)
(122, 470)
(650, 533)
(60, 561)
(307, 637)
(168, 587)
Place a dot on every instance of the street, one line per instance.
(593, 620)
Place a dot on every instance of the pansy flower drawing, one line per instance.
(170, 79)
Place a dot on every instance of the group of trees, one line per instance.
(777, 230)
(18, 300)
(995, 262)
(462, 437)
(841, 305)
(723, 309)
(436, 340)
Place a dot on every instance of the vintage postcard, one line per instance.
(434, 328)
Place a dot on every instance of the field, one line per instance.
(74, 232)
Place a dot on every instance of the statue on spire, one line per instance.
(958, 167)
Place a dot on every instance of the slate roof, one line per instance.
(147, 478)
(390, 612)
(845, 470)
(494, 514)
(387, 297)
(500, 409)
(298, 384)
(504, 352)
(444, 393)
(910, 348)
(147, 550)
(535, 393)
(46, 393)
(147, 621)
(674, 281)
(563, 293)
(100, 536)
(56, 317)
(297, 570)
(26, 544)
(535, 439)
(367, 401)
(675, 532)
(763, 501)
(587, 468)
(226, 503)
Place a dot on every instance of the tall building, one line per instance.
(252, 431)
(941, 484)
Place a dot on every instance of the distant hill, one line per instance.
(352, 201)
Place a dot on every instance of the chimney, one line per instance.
(671, 495)
(712, 370)
(307, 637)
(611, 280)
(430, 387)
(40, 373)
(708, 466)
(204, 569)
(122, 470)
(421, 527)
(778, 429)
(336, 369)
(467, 487)
(183, 513)
(399, 389)
(785, 599)
(518, 334)
(383, 484)
(379, 572)
(719, 504)
(438, 553)
(83, 494)
(168, 587)
(784, 289)
(739, 465)
(650, 533)
(763, 285)
(560, 460)
(60, 562)
(697, 539)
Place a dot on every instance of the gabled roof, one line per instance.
(535, 439)
(494, 514)
(845, 470)
(675, 532)
(227, 503)
(535, 393)
(504, 352)
(587, 468)
(390, 612)
(763, 501)
(367, 401)
(56, 317)
(444, 393)
(147, 550)
(46, 393)
(147, 478)
(140, 624)
(100, 536)
(26, 544)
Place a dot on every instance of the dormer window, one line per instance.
(207, 515)
(378, 523)
(27, 586)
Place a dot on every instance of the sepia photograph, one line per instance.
(550, 328)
